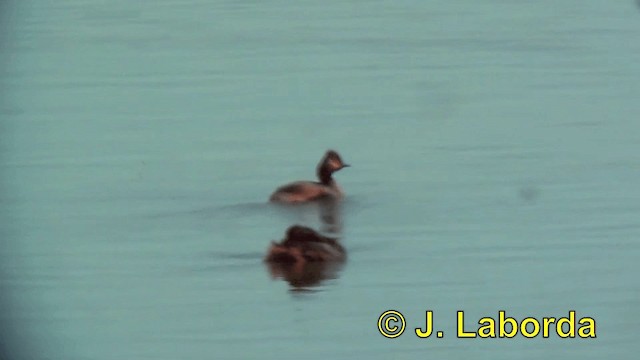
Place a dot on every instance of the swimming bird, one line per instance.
(304, 191)
(302, 245)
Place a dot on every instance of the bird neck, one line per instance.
(324, 175)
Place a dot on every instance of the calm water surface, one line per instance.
(495, 161)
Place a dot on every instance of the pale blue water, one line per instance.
(495, 161)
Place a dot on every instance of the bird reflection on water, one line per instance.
(305, 258)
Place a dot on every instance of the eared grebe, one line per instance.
(302, 191)
(302, 245)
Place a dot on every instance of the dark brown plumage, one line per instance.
(302, 245)
(304, 191)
